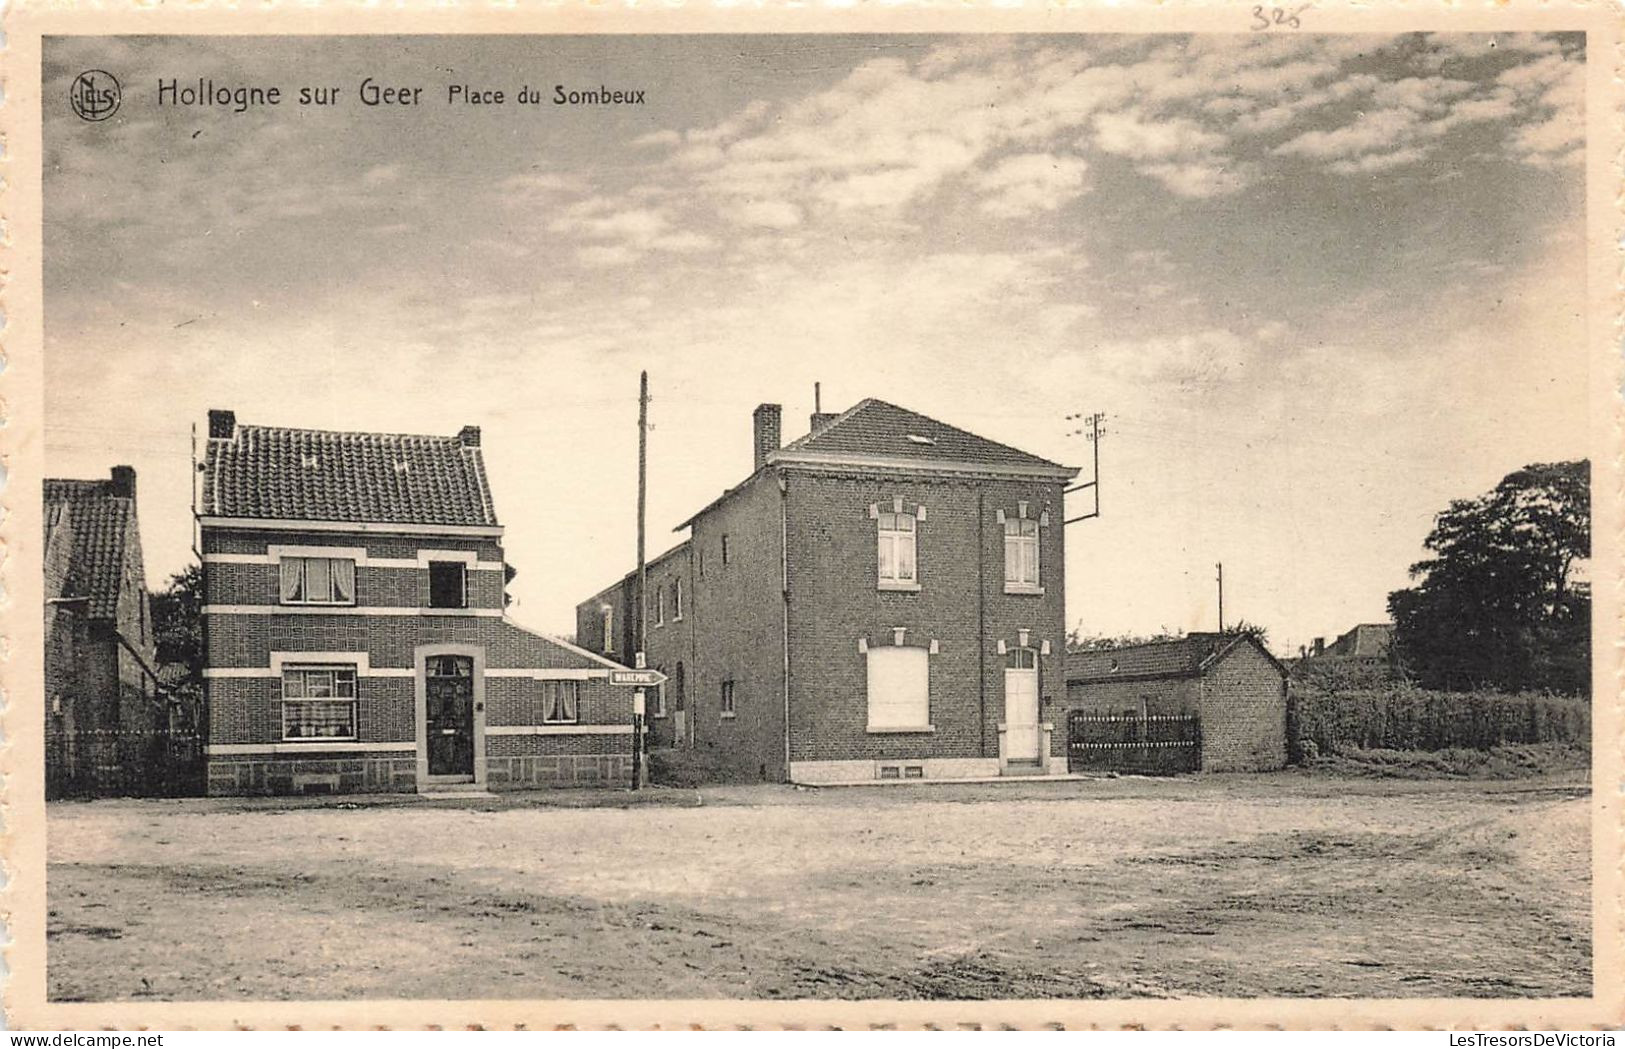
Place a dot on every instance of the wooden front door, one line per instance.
(1021, 706)
(449, 715)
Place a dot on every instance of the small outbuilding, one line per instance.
(1205, 702)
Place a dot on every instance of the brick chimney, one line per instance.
(1318, 647)
(765, 429)
(124, 481)
(222, 424)
(469, 437)
(821, 420)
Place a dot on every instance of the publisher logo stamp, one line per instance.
(95, 95)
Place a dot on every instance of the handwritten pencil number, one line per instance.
(1271, 17)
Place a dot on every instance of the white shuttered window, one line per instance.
(899, 688)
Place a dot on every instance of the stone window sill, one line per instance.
(892, 730)
(898, 588)
(1020, 588)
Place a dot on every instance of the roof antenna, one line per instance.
(818, 404)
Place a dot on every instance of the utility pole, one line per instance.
(638, 700)
(1221, 596)
(1093, 435)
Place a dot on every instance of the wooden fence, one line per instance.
(102, 763)
(1157, 745)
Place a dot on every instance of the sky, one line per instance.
(1320, 285)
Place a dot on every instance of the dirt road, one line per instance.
(1277, 885)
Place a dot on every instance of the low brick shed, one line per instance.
(1230, 683)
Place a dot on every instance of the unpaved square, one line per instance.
(1278, 885)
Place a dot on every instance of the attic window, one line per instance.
(310, 462)
(1115, 666)
(915, 438)
(402, 466)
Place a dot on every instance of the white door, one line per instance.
(1021, 714)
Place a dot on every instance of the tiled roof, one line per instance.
(324, 475)
(1182, 657)
(875, 428)
(102, 523)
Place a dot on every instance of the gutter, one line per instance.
(784, 591)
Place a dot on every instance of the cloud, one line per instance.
(773, 214)
(658, 138)
(1028, 183)
(1200, 180)
(1130, 135)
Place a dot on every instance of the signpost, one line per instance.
(639, 679)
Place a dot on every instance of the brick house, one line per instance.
(881, 598)
(354, 628)
(102, 707)
(1230, 682)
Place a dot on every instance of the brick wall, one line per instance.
(961, 604)
(1243, 706)
(738, 608)
(669, 644)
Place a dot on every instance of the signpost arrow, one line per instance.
(637, 678)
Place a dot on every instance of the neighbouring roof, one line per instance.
(327, 475)
(101, 523)
(1366, 639)
(1182, 657)
(877, 429)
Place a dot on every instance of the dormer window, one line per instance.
(317, 581)
(915, 438)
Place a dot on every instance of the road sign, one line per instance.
(637, 678)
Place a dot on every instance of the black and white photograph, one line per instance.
(818, 517)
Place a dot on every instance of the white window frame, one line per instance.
(353, 698)
(916, 656)
(660, 701)
(303, 562)
(1014, 546)
(607, 614)
(571, 713)
(660, 605)
(728, 702)
(897, 538)
(677, 600)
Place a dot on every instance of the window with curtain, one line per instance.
(896, 551)
(561, 702)
(899, 688)
(318, 703)
(318, 581)
(1020, 552)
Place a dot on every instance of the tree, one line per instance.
(177, 623)
(1078, 641)
(1498, 605)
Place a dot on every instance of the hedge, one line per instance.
(1401, 717)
